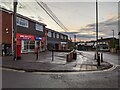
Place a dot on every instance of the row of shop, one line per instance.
(30, 34)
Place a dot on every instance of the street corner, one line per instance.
(105, 66)
(92, 67)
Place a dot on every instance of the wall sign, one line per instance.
(38, 38)
(25, 37)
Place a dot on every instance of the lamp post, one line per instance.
(75, 42)
(97, 56)
(14, 29)
(113, 39)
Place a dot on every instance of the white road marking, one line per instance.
(7, 69)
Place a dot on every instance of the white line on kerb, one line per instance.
(7, 69)
(22, 71)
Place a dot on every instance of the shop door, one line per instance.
(31, 46)
(25, 46)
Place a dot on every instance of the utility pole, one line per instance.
(97, 56)
(14, 29)
(113, 39)
(119, 40)
(101, 52)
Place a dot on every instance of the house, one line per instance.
(56, 40)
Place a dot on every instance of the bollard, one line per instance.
(36, 56)
(68, 59)
(95, 57)
(101, 57)
(36, 52)
(98, 59)
(52, 55)
(74, 55)
(70, 56)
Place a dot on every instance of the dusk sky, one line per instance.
(78, 16)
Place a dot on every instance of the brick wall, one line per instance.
(6, 27)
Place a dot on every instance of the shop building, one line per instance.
(30, 33)
(56, 40)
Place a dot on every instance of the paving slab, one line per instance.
(45, 63)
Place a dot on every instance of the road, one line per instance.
(101, 79)
(109, 57)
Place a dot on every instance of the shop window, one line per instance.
(28, 45)
(22, 22)
(32, 47)
(39, 27)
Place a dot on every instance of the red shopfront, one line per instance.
(27, 43)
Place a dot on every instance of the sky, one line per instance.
(77, 16)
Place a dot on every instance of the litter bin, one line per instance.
(74, 55)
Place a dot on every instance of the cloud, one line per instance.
(85, 36)
(112, 21)
(78, 35)
(87, 29)
(105, 27)
(91, 25)
(70, 33)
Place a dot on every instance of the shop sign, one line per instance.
(63, 42)
(25, 37)
(38, 38)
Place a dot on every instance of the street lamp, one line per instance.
(14, 29)
(75, 42)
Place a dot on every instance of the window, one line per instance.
(65, 37)
(49, 34)
(39, 27)
(22, 22)
(57, 35)
(53, 35)
(61, 36)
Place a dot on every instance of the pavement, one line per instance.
(59, 64)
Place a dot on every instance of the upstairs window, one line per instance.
(61, 36)
(65, 37)
(53, 35)
(49, 34)
(57, 35)
(39, 27)
(22, 22)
